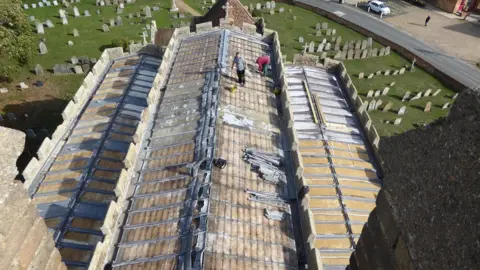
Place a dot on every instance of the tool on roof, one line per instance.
(267, 165)
(266, 197)
(274, 214)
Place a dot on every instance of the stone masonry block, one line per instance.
(13, 200)
(96, 262)
(14, 238)
(110, 219)
(182, 31)
(81, 95)
(70, 111)
(31, 172)
(377, 235)
(402, 256)
(361, 256)
(43, 252)
(30, 244)
(204, 27)
(45, 149)
(89, 81)
(59, 132)
(308, 227)
(388, 216)
(55, 261)
(122, 184)
(99, 68)
(113, 53)
(131, 156)
(314, 260)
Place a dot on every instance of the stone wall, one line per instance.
(70, 114)
(440, 75)
(428, 212)
(25, 242)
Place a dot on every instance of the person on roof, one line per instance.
(263, 62)
(241, 64)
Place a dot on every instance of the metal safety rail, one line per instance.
(76, 190)
(338, 166)
(167, 212)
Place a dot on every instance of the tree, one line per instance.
(16, 41)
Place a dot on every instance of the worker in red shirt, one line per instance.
(263, 62)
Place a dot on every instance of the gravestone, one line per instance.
(108, 2)
(70, 43)
(40, 4)
(378, 72)
(258, 6)
(388, 107)
(74, 60)
(119, 20)
(337, 47)
(350, 54)
(378, 104)
(86, 68)
(334, 32)
(345, 47)
(148, 12)
(455, 96)
(358, 53)
(385, 91)
(387, 50)
(300, 39)
(364, 54)
(294, 18)
(372, 104)
(76, 33)
(130, 15)
(344, 55)
(445, 106)
(369, 42)
(329, 32)
(311, 46)
(397, 121)
(358, 45)
(318, 27)
(387, 72)
(364, 106)
(273, 4)
(148, 26)
(55, 3)
(76, 13)
(427, 93)
(364, 45)
(78, 69)
(3, 90)
(437, 92)
(402, 110)
(382, 51)
(268, 5)
(378, 93)
(23, 85)
(272, 12)
(64, 21)
(337, 55)
(375, 52)
(318, 33)
(370, 93)
(428, 107)
(281, 10)
(320, 47)
(395, 73)
(392, 84)
(43, 48)
(417, 96)
(323, 55)
(62, 13)
(105, 28)
(11, 117)
(98, 11)
(39, 70)
(86, 13)
(328, 47)
(32, 18)
(30, 133)
(402, 70)
(324, 41)
(34, 5)
(406, 96)
(40, 29)
(361, 75)
(324, 26)
(25, 6)
(112, 22)
(370, 76)
(49, 24)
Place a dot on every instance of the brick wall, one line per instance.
(25, 242)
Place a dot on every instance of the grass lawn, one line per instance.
(198, 4)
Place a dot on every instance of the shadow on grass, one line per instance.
(42, 117)
(417, 107)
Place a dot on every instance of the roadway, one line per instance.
(457, 69)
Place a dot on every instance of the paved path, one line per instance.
(183, 7)
(460, 70)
